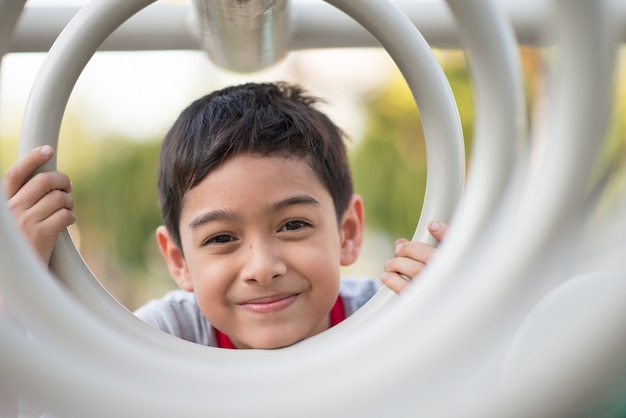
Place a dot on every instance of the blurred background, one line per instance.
(124, 103)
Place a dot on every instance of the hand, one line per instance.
(410, 258)
(40, 203)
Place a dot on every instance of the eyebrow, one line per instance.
(294, 200)
(214, 215)
(219, 214)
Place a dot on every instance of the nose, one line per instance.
(262, 262)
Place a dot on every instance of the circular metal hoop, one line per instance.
(50, 94)
(434, 365)
(430, 88)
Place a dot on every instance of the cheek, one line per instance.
(321, 260)
(211, 280)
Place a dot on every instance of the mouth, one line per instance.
(269, 304)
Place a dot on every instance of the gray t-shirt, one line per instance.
(178, 314)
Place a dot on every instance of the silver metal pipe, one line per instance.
(160, 26)
(163, 26)
(244, 35)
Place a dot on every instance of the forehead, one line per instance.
(253, 179)
(248, 167)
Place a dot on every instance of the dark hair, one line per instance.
(267, 118)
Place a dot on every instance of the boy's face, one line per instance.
(263, 249)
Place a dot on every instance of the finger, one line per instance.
(400, 241)
(404, 266)
(44, 234)
(395, 282)
(37, 188)
(415, 250)
(437, 229)
(59, 220)
(48, 229)
(44, 208)
(17, 175)
(39, 224)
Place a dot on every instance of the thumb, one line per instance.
(19, 173)
(437, 229)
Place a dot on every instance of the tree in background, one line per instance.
(117, 215)
(115, 178)
(389, 162)
(116, 200)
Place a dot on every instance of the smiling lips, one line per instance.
(269, 304)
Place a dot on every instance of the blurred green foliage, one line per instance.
(389, 163)
(116, 200)
(117, 212)
(115, 194)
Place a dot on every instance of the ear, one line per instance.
(174, 258)
(352, 225)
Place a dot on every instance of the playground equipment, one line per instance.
(466, 342)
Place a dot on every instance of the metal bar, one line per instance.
(244, 35)
(157, 27)
(315, 25)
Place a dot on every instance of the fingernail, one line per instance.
(384, 277)
(387, 264)
(46, 150)
(434, 226)
(398, 248)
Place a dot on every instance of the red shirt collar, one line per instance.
(337, 314)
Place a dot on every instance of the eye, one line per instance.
(294, 225)
(219, 239)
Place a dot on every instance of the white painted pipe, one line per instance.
(395, 32)
(411, 53)
(441, 348)
(163, 26)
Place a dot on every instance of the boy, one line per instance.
(259, 214)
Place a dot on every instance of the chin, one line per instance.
(278, 341)
(271, 345)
